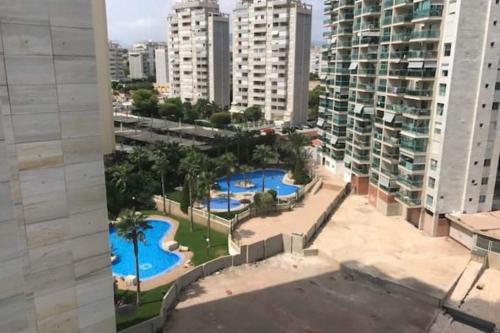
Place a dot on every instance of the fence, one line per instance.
(240, 255)
(490, 247)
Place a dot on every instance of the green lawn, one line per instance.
(151, 300)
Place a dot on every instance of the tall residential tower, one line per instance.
(271, 58)
(198, 52)
(422, 102)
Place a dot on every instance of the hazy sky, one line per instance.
(135, 20)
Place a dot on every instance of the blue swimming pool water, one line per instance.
(153, 260)
(221, 203)
(273, 180)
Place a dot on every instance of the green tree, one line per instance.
(170, 111)
(205, 183)
(226, 166)
(314, 97)
(299, 155)
(253, 113)
(145, 102)
(191, 165)
(220, 119)
(263, 155)
(132, 226)
(161, 166)
(190, 114)
(264, 200)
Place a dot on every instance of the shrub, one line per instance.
(220, 118)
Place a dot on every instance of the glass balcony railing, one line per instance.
(412, 166)
(419, 92)
(431, 11)
(411, 181)
(409, 199)
(408, 127)
(430, 33)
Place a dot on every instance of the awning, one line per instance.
(369, 110)
(353, 66)
(384, 180)
(389, 117)
(321, 121)
(430, 64)
(358, 108)
(415, 64)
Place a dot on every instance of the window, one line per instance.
(447, 49)
(484, 181)
(494, 106)
(444, 72)
(439, 109)
(482, 198)
(442, 89)
(437, 127)
(429, 200)
(487, 162)
(497, 86)
(431, 182)
(434, 164)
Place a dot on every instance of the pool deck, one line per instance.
(300, 219)
(170, 276)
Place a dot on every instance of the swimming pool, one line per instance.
(273, 180)
(153, 260)
(220, 203)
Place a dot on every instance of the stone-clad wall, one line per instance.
(55, 273)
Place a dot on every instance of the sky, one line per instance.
(131, 21)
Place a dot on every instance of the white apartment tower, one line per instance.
(271, 58)
(412, 102)
(198, 52)
(161, 64)
(142, 60)
(117, 57)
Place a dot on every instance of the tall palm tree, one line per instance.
(191, 166)
(160, 166)
(263, 155)
(132, 226)
(205, 182)
(226, 165)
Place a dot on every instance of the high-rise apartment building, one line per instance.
(410, 109)
(55, 271)
(142, 60)
(271, 58)
(117, 61)
(315, 65)
(161, 63)
(198, 52)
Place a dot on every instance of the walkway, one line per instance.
(299, 220)
(361, 237)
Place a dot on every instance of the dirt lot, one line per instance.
(291, 294)
(361, 237)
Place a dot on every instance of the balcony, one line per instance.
(414, 129)
(417, 146)
(425, 34)
(411, 181)
(434, 11)
(419, 92)
(409, 199)
(405, 109)
(408, 165)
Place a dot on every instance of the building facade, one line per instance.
(161, 64)
(420, 128)
(198, 52)
(315, 65)
(55, 271)
(117, 61)
(141, 59)
(271, 58)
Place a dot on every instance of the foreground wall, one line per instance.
(55, 272)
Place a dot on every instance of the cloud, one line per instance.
(130, 21)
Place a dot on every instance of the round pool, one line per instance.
(153, 260)
(273, 179)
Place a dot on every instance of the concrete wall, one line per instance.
(55, 272)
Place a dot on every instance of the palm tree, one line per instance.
(191, 166)
(205, 181)
(132, 226)
(160, 166)
(263, 155)
(245, 170)
(226, 165)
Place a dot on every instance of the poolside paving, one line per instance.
(361, 237)
(292, 294)
(299, 220)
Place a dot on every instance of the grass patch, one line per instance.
(175, 196)
(151, 299)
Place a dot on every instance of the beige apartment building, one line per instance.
(271, 58)
(198, 52)
(410, 111)
(117, 61)
(55, 271)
